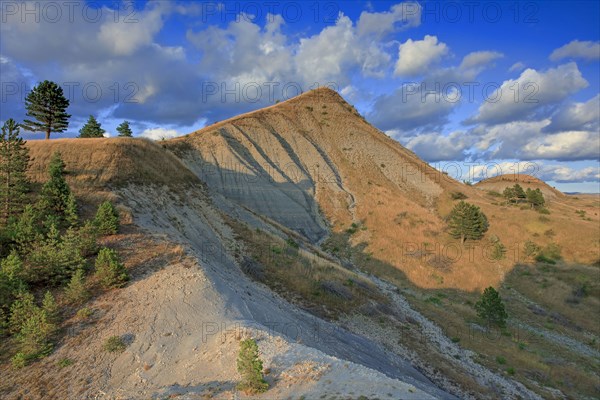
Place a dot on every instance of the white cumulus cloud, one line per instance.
(585, 50)
(414, 56)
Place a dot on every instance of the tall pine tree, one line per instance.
(92, 129)
(47, 104)
(124, 129)
(14, 160)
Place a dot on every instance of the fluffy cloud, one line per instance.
(401, 16)
(411, 107)
(540, 170)
(567, 146)
(563, 173)
(518, 99)
(436, 147)
(576, 49)
(528, 140)
(414, 56)
(577, 116)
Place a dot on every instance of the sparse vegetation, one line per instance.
(458, 196)
(114, 344)
(250, 366)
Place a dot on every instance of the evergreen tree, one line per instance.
(11, 283)
(250, 366)
(14, 159)
(107, 219)
(25, 230)
(467, 221)
(56, 192)
(71, 210)
(47, 104)
(491, 308)
(92, 129)
(76, 292)
(510, 194)
(20, 310)
(36, 331)
(535, 198)
(124, 129)
(109, 270)
(53, 260)
(50, 307)
(519, 192)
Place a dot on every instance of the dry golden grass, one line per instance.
(99, 163)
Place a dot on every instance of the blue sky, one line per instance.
(496, 86)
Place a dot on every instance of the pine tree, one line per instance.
(92, 129)
(25, 230)
(535, 198)
(124, 129)
(510, 194)
(109, 270)
(50, 307)
(56, 192)
(11, 283)
(14, 160)
(71, 215)
(250, 366)
(36, 331)
(107, 219)
(491, 308)
(20, 310)
(76, 292)
(47, 104)
(519, 192)
(467, 221)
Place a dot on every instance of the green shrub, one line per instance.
(458, 196)
(491, 308)
(19, 360)
(500, 360)
(290, 242)
(531, 249)
(544, 211)
(510, 370)
(114, 344)
(498, 251)
(64, 362)
(250, 366)
(76, 291)
(109, 270)
(84, 313)
(549, 254)
(107, 219)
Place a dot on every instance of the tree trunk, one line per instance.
(47, 134)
